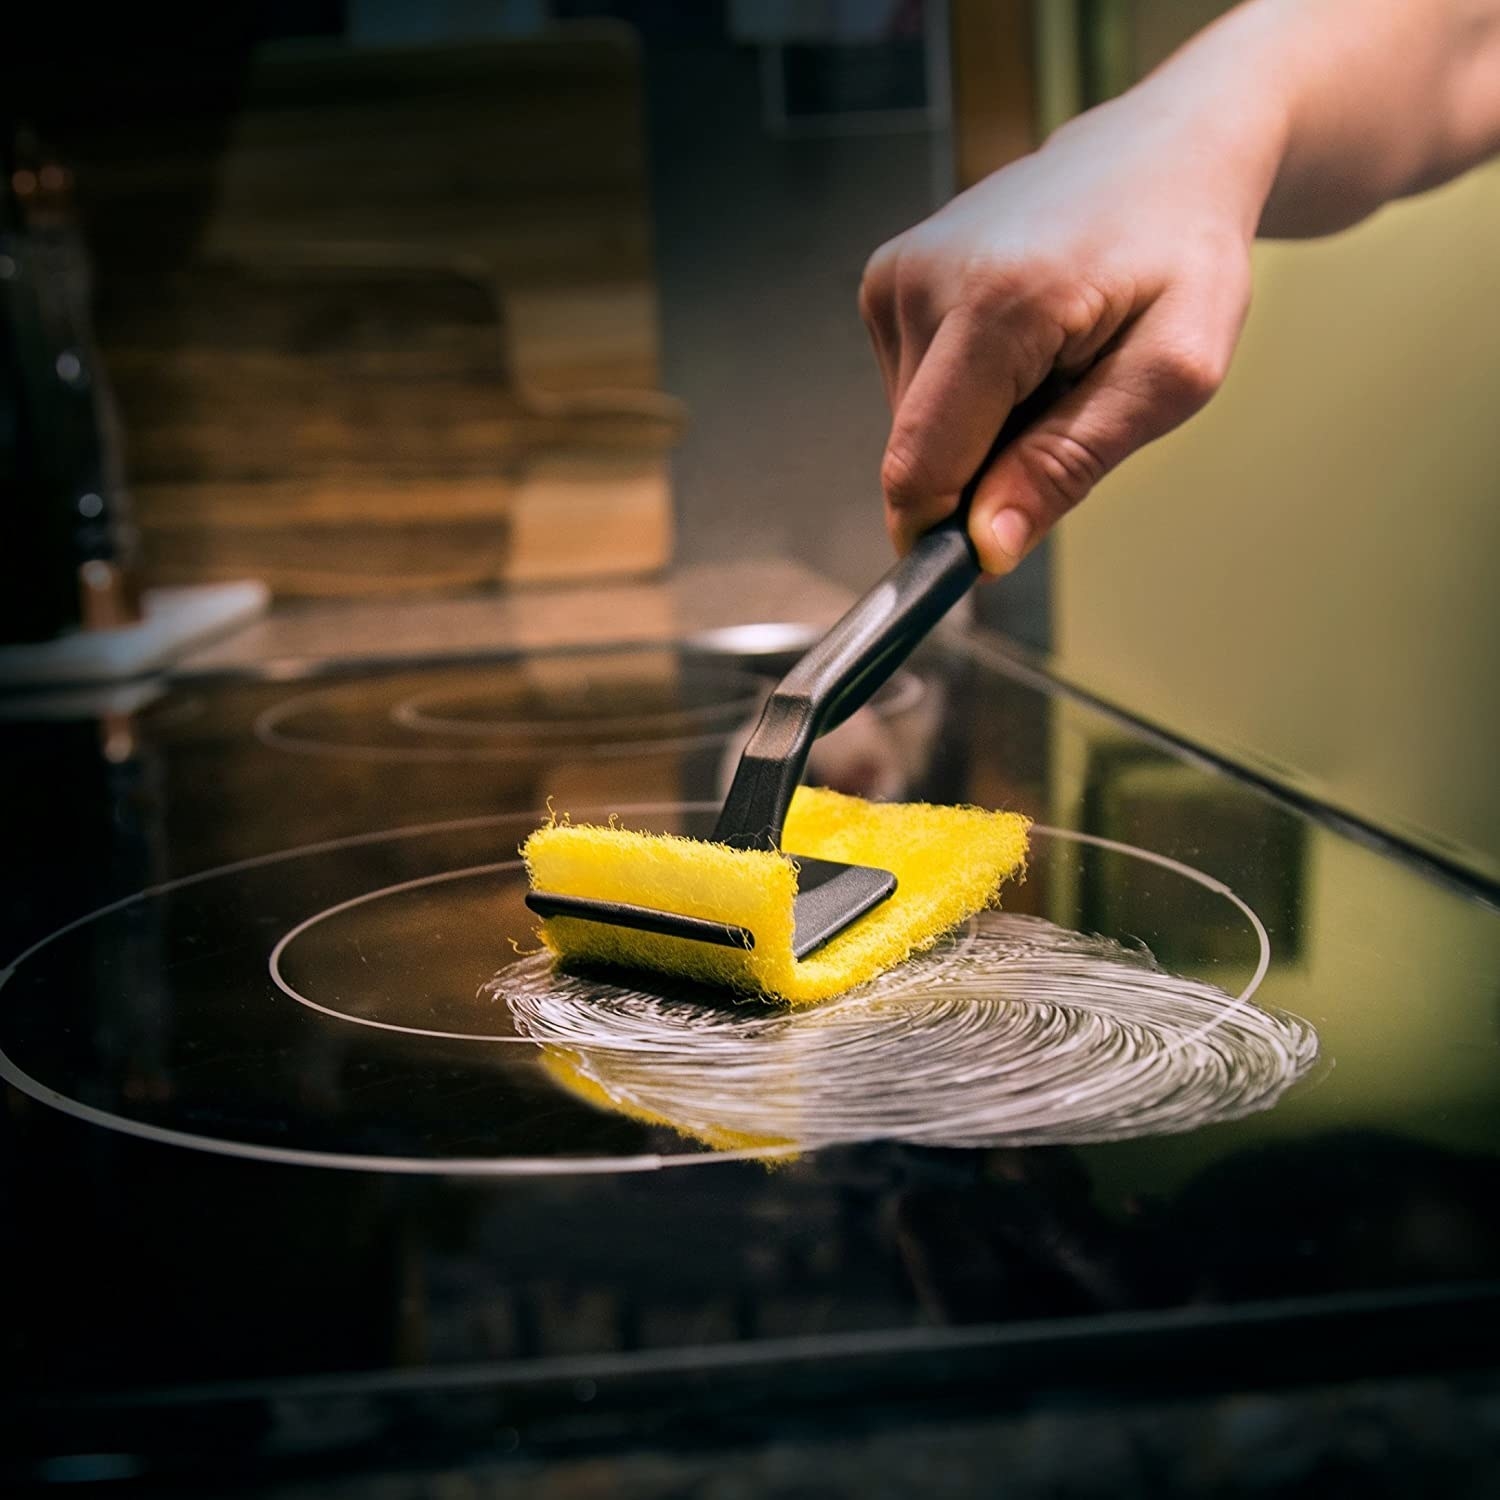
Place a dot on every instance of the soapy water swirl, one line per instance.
(1015, 1032)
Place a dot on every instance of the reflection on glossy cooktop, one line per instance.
(289, 1092)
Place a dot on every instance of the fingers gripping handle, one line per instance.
(841, 672)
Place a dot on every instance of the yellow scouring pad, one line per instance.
(949, 862)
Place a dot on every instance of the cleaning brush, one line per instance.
(868, 884)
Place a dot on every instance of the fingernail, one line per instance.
(1012, 530)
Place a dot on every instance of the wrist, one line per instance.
(1232, 93)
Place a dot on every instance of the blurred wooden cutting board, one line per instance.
(412, 342)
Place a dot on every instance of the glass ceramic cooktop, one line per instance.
(291, 1097)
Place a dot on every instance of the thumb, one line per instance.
(1158, 377)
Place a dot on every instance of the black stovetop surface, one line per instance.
(281, 1177)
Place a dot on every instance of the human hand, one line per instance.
(1118, 256)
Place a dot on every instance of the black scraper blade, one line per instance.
(830, 896)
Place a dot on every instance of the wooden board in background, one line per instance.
(408, 342)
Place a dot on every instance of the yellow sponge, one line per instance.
(948, 862)
(568, 1070)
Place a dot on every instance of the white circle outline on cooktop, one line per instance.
(287, 988)
(514, 1166)
(1064, 835)
(905, 690)
(411, 713)
(267, 729)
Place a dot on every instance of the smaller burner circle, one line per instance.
(275, 964)
(921, 977)
(598, 705)
(417, 713)
(585, 705)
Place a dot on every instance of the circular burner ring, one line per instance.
(270, 728)
(1062, 835)
(511, 1166)
(309, 924)
(414, 713)
(603, 737)
(469, 1166)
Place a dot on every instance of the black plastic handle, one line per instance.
(841, 672)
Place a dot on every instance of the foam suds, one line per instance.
(1015, 1032)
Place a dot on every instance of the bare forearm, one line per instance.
(1351, 102)
(1119, 253)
